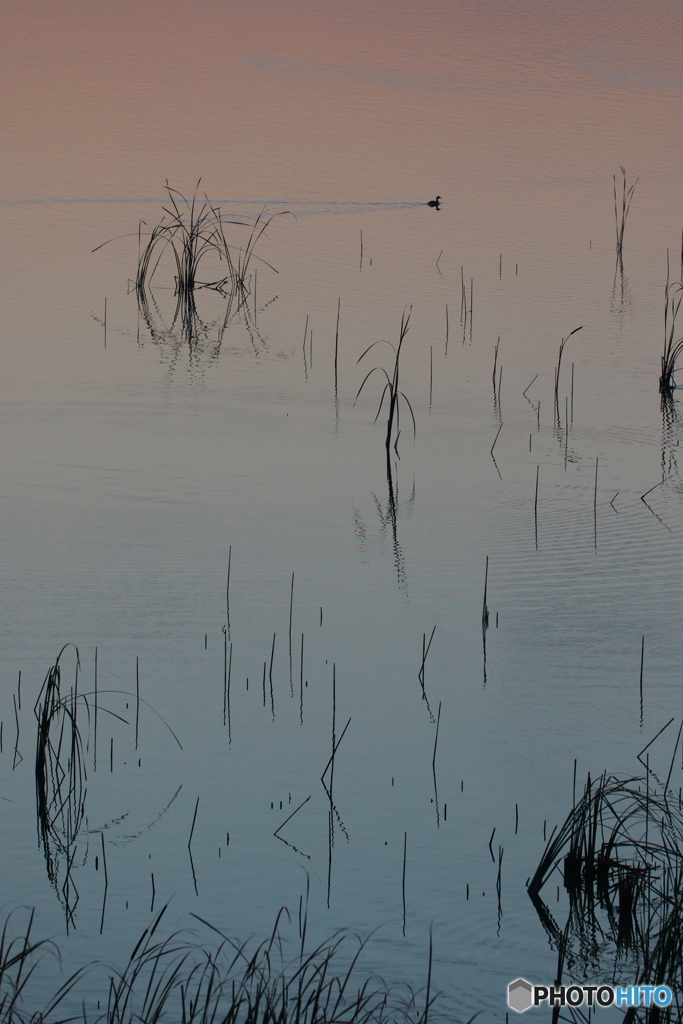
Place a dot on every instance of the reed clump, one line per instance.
(673, 346)
(62, 739)
(620, 854)
(196, 237)
(60, 777)
(233, 982)
(193, 229)
(623, 196)
(391, 387)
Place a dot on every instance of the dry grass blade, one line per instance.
(20, 958)
(178, 978)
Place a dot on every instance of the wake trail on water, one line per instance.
(302, 207)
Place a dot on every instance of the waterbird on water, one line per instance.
(436, 203)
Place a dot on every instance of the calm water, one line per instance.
(133, 468)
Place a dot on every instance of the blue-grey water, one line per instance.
(136, 467)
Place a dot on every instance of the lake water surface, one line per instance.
(139, 464)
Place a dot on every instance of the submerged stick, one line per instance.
(94, 746)
(647, 796)
(106, 881)
(529, 385)
(655, 737)
(642, 660)
(436, 791)
(330, 832)
(17, 756)
(104, 861)
(673, 757)
(277, 831)
(280, 827)
(471, 304)
(226, 698)
(403, 879)
(336, 351)
(485, 608)
(304, 347)
(421, 674)
(301, 684)
(270, 678)
(137, 701)
(536, 507)
(499, 884)
(436, 738)
(189, 846)
(291, 612)
(495, 363)
(227, 592)
(225, 674)
(654, 488)
(428, 1001)
(595, 504)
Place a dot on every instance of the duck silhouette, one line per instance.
(436, 203)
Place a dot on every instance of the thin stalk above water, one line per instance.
(622, 204)
(391, 387)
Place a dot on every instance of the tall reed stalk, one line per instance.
(392, 385)
(623, 195)
(673, 346)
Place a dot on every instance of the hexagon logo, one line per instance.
(519, 995)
